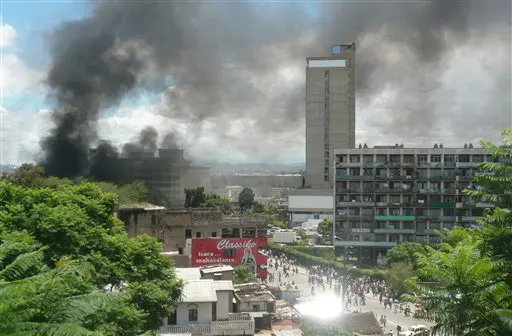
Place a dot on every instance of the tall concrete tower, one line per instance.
(330, 112)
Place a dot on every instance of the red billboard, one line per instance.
(231, 251)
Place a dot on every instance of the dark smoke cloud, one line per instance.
(225, 60)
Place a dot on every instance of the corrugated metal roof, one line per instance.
(216, 269)
(223, 285)
(190, 273)
(199, 291)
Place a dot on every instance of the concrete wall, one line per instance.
(320, 203)
(204, 314)
(248, 306)
(228, 275)
(224, 304)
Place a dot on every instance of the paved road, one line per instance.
(372, 304)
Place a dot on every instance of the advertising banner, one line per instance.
(231, 251)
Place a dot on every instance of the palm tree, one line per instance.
(36, 300)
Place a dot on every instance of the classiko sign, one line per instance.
(230, 251)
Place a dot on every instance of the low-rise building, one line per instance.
(306, 204)
(174, 226)
(254, 297)
(206, 309)
(217, 272)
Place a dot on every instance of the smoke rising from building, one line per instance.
(223, 60)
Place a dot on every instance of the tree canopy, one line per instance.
(243, 275)
(325, 229)
(246, 199)
(77, 232)
(471, 293)
(405, 253)
(194, 198)
(213, 200)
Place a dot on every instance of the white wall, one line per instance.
(304, 217)
(204, 313)
(311, 202)
(223, 303)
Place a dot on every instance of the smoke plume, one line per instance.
(236, 63)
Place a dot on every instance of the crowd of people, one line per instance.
(353, 290)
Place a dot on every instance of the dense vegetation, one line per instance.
(64, 257)
(243, 275)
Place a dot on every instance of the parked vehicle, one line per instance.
(416, 330)
(286, 237)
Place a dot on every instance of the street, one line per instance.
(372, 304)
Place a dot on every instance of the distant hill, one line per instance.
(223, 167)
(7, 168)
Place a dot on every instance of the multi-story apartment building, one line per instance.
(389, 194)
(330, 112)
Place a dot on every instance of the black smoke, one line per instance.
(226, 58)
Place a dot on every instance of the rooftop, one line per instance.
(199, 291)
(253, 292)
(216, 269)
(187, 274)
(141, 206)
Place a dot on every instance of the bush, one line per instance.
(308, 260)
(326, 252)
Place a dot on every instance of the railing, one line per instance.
(348, 204)
(239, 317)
(485, 205)
(185, 328)
(468, 218)
(364, 243)
(243, 326)
(390, 230)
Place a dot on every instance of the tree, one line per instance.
(77, 221)
(223, 203)
(397, 274)
(405, 253)
(243, 275)
(128, 193)
(246, 199)
(194, 198)
(27, 175)
(38, 300)
(325, 230)
(259, 208)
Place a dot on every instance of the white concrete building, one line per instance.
(330, 112)
(307, 204)
(206, 309)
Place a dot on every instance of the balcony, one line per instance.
(238, 324)
(354, 204)
(485, 205)
(396, 231)
(360, 230)
(394, 218)
(364, 243)
(466, 164)
(447, 218)
(442, 204)
(468, 218)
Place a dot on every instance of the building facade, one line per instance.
(174, 226)
(388, 195)
(330, 112)
(309, 204)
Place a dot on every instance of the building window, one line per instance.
(336, 49)
(188, 233)
(229, 252)
(214, 234)
(255, 308)
(198, 234)
(192, 315)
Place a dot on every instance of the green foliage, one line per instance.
(396, 275)
(405, 253)
(77, 221)
(472, 269)
(39, 300)
(494, 186)
(325, 252)
(311, 327)
(194, 198)
(246, 199)
(223, 203)
(27, 175)
(326, 231)
(243, 275)
(259, 208)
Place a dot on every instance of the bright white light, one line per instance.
(322, 307)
